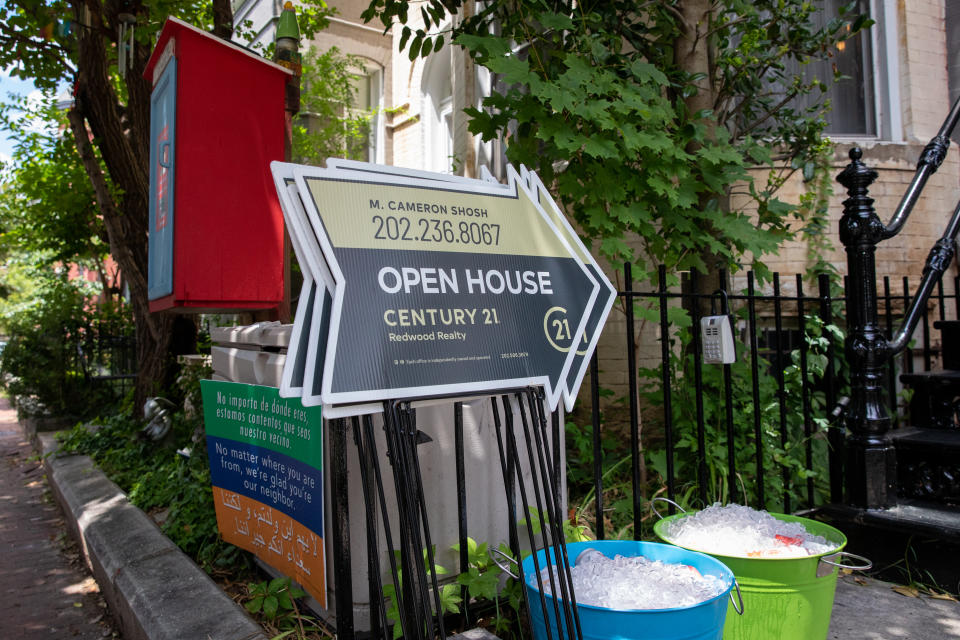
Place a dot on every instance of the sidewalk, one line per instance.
(871, 610)
(45, 590)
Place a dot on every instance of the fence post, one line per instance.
(871, 460)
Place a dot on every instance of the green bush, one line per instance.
(44, 358)
(780, 457)
(161, 481)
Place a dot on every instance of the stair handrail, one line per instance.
(941, 254)
(930, 160)
(870, 459)
(938, 261)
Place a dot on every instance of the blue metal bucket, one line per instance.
(703, 621)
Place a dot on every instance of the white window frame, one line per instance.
(436, 91)
(373, 74)
(884, 41)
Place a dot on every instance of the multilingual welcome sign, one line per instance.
(266, 468)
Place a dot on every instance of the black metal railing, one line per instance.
(871, 459)
(103, 353)
(774, 334)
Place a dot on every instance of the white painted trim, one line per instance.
(893, 121)
(357, 25)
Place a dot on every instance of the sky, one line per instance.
(10, 85)
(13, 85)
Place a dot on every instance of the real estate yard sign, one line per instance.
(439, 287)
(266, 467)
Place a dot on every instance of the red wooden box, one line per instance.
(216, 123)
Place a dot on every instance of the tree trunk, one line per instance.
(222, 19)
(693, 52)
(121, 134)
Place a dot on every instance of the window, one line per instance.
(327, 127)
(853, 97)
(437, 113)
(953, 61)
(866, 101)
(369, 101)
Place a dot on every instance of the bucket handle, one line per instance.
(866, 566)
(739, 609)
(493, 553)
(668, 501)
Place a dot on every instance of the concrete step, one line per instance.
(935, 398)
(928, 465)
(950, 342)
(908, 517)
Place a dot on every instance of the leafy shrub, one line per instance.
(786, 467)
(160, 480)
(46, 357)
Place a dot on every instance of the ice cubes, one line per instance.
(629, 583)
(740, 531)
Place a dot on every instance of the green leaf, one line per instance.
(600, 148)
(556, 21)
(450, 598)
(513, 69)
(414, 51)
(485, 586)
(533, 520)
(278, 584)
(488, 46)
(645, 71)
(253, 606)
(427, 48)
(270, 605)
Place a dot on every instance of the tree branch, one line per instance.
(222, 19)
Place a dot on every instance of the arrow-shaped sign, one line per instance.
(443, 287)
(607, 295)
(303, 369)
(316, 293)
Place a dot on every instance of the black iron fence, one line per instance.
(763, 431)
(103, 353)
(72, 369)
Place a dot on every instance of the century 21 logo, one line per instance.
(556, 326)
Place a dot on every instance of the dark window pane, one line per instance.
(852, 98)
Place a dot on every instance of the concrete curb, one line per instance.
(153, 589)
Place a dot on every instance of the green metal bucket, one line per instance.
(783, 598)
